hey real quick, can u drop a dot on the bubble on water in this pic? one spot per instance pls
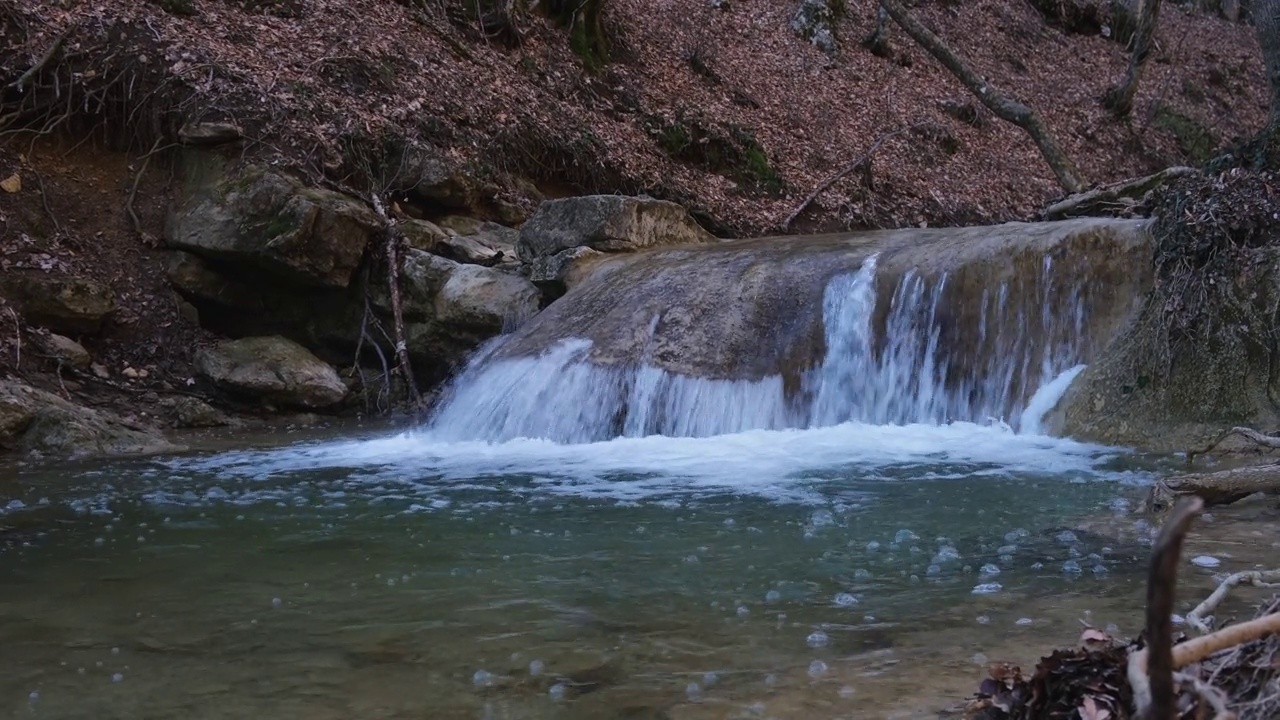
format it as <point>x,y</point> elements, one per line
<point>756,708</point>
<point>772,596</point>
<point>1013,536</point>
<point>710,678</point>
<point>693,691</point>
<point>1099,569</point>
<point>1006,559</point>
<point>1205,561</point>
<point>932,570</point>
<point>967,569</point>
<point>1024,621</point>
<point>946,554</point>
<point>861,574</point>
<point>915,579</point>
<point>1113,629</point>
<point>817,669</point>
<point>1007,549</point>
<point>115,651</point>
<point>770,680</point>
<point>558,691</point>
<point>873,546</point>
<point>277,603</point>
<point>1037,566</point>
<point>987,588</point>
<point>868,619</point>
<point>743,611</point>
<point>482,678</point>
<point>904,535</point>
<point>1066,537</point>
<point>893,546</point>
<point>691,559</point>
<point>915,550</point>
<point>989,570</point>
<point>1071,567</point>
<point>118,677</point>
<point>98,664</point>
<point>34,696</point>
<point>80,671</point>
<point>1074,552</point>
<point>822,518</point>
<point>392,581</point>
<point>847,692</point>
<point>818,639</point>
<point>845,599</point>
<point>979,659</point>
<point>1094,557</point>
<point>729,522</point>
<point>536,667</point>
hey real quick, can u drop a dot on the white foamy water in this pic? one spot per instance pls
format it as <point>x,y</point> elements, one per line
<point>929,362</point>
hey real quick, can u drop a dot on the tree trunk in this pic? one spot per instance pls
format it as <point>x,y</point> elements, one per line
<point>1120,99</point>
<point>878,41</point>
<point>1005,108</point>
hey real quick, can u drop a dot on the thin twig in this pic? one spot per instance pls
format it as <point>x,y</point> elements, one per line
<point>133,192</point>
<point>826,185</point>
<point>1199,617</point>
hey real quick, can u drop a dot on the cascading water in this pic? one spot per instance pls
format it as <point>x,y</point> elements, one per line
<point>914,354</point>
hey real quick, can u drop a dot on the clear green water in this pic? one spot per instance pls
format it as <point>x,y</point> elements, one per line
<point>399,577</point>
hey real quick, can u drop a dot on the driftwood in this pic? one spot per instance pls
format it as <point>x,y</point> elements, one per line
<point>1200,619</point>
<point>1004,107</point>
<point>1217,488</point>
<point>1088,202</point>
<point>863,161</point>
<point>1249,434</point>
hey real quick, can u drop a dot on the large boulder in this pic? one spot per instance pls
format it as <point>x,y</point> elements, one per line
<point>272,369</point>
<point>72,306</point>
<point>267,220</point>
<point>609,223</point>
<point>481,299</point>
<point>35,420</point>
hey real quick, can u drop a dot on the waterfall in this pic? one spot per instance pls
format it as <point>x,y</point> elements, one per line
<point>897,351</point>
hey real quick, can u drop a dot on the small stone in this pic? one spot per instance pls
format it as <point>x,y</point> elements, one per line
<point>1205,561</point>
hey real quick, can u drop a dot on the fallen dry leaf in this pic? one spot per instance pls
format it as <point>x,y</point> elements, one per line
<point>1089,710</point>
<point>11,184</point>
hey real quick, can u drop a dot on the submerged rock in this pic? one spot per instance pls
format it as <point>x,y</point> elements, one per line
<point>190,412</point>
<point>35,420</point>
<point>271,221</point>
<point>609,223</point>
<point>273,369</point>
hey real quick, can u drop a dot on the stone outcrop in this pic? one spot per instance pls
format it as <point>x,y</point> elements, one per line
<point>63,350</point>
<point>267,220</point>
<point>33,420</point>
<point>608,223</point>
<point>815,21</point>
<point>71,306</point>
<point>273,370</point>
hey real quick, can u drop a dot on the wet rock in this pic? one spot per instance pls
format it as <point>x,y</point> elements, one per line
<point>65,305</point>
<point>609,223</point>
<point>273,369</point>
<point>556,274</point>
<point>483,299</point>
<point>190,412</point>
<point>34,420</point>
<point>267,220</point>
<point>64,350</point>
<point>463,239</point>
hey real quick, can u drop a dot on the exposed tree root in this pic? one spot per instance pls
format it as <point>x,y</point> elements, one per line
<point>1092,202</point>
<point>1217,488</point>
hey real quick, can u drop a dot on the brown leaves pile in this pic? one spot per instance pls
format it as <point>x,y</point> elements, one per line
<point>1087,682</point>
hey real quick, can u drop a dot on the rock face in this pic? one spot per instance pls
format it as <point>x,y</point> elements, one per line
<point>267,220</point>
<point>815,21</point>
<point>65,305</point>
<point>609,223</point>
<point>64,350</point>
<point>273,369</point>
<point>34,420</point>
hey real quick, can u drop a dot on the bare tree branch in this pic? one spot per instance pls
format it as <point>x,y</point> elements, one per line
<point>1120,98</point>
<point>1004,107</point>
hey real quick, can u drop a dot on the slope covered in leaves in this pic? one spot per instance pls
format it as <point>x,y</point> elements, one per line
<point>726,110</point>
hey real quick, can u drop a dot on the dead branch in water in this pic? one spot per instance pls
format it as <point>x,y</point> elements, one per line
<point>1222,487</point>
<point>393,287</point>
<point>1200,619</point>
<point>865,159</point>
<point>1151,669</point>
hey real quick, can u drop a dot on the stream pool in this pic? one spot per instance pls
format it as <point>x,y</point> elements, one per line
<point>851,571</point>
